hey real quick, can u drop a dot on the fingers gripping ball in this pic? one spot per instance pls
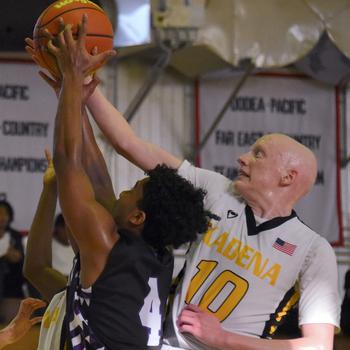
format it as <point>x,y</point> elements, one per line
<point>99,29</point>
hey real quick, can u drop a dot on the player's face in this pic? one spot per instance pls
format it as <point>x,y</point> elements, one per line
<point>128,201</point>
<point>260,170</point>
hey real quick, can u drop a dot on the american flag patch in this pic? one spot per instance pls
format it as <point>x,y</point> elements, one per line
<point>284,246</point>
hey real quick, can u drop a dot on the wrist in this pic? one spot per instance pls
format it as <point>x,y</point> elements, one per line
<point>5,336</point>
<point>225,341</point>
<point>73,76</point>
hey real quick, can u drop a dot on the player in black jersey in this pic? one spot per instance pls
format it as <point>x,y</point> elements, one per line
<point>121,277</point>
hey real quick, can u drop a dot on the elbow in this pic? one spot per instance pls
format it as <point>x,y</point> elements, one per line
<point>121,146</point>
<point>33,267</point>
<point>33,272</point>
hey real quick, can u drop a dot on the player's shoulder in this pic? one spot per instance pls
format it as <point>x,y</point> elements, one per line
<point>214,184</point>
<point>302,228</point>
<point>189,171</point>
<point>319,240</point>
<point>318,245</point>
<point>321,246</point>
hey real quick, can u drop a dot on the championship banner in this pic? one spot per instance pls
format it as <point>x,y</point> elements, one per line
<point>27,112</point>
<point>297,106</point>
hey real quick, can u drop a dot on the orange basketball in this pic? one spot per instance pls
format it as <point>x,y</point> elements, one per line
<point>99,28</point>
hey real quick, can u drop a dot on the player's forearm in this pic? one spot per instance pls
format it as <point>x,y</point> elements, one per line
<point>38,260</point>
<point>95,166</point>
<point>68,125</point>
<point>38,256</point>
<point>232,341</point>
<point>112,123</point>
<point>141,153</point>
<point>121,135</point>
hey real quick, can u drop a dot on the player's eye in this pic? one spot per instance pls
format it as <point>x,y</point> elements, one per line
<point>258,153</point>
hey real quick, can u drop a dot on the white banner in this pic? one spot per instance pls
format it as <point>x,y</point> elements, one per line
<point>27,112</point>
<point>299,107</point>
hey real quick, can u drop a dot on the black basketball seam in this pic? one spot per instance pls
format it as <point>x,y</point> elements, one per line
<point>74,9</point>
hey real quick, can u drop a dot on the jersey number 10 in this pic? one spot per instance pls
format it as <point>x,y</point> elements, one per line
<point>239,287</point>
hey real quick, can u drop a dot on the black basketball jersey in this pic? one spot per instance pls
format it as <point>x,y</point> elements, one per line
<point>125,308</point>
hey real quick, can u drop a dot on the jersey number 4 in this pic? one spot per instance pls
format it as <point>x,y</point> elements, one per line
<point>150,313</point>
<point>234,287</point>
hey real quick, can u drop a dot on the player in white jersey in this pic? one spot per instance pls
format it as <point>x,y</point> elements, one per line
<point>238,279</point>
<point>51,325</point>
<point>244,271</point>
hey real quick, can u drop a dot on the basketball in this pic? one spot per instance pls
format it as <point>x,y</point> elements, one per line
<point>99,29</point>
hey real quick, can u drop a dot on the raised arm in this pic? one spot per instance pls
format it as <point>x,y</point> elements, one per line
<point>96,168</point>
<point>119,133</point>
<point>91,224</point>
<point>38,259</point>
<point>93,160</point>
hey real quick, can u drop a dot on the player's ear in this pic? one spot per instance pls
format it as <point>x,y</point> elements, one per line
<point>288,177</point>
<point>137,217</point>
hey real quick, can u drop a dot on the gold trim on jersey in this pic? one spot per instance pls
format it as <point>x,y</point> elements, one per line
<point>290,299</point>
<point>50,317</point>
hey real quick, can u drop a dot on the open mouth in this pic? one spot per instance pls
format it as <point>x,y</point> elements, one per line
<point>241,173</point>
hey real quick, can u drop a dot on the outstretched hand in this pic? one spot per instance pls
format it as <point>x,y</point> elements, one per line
<point>72,56</point>
<point>201,324</point>
<point>90,82</point>
<point>21,324</point>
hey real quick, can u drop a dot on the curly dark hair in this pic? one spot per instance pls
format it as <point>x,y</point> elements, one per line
<point>174,209</point>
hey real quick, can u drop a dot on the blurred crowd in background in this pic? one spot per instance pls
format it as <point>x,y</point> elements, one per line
<point>13,285</point>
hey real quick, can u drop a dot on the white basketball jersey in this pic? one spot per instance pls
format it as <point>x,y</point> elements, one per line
<point>249,272</point>
<point>51,325</point>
